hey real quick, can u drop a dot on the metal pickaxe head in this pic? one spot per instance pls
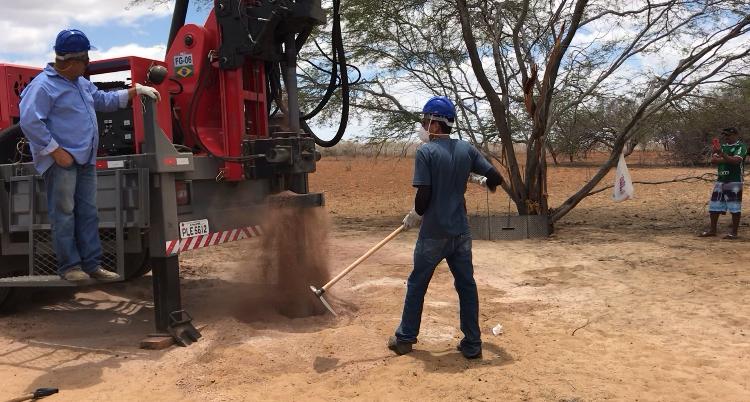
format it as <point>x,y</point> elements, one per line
<point>319,293</point>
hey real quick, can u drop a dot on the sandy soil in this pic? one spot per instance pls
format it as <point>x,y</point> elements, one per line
<point>622,303</point>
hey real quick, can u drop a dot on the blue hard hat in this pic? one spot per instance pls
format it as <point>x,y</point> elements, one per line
<point>72,41</point>
<point>440,106</point>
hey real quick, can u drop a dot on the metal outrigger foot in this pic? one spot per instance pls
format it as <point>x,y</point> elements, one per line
<point>181,328</point>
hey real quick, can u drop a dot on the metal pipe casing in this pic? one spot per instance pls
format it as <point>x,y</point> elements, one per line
<point>291,83</point>
<point>178,20</point>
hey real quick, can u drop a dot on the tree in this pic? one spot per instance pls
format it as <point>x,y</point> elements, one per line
<point>525,74</point>
<point>687,126</point>
<point>582,129</point>
<point>518,70</point>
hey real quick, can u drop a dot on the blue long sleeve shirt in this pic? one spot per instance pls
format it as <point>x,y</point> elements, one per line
<point>57,112</point>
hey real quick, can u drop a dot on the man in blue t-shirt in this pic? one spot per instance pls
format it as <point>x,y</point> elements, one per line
<point>442,169</point>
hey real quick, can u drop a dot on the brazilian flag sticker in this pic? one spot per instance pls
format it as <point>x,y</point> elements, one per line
<point>183,65</point>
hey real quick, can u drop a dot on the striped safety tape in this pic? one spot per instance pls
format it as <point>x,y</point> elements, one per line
<point>212,239</point>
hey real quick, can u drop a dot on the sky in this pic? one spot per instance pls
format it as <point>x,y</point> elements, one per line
<point>30,26</point>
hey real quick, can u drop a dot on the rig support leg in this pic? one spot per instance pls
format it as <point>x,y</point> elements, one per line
<point>166,274</point>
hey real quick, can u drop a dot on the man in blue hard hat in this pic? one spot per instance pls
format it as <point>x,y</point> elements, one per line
<point>442,168</point>
<point>58,117</point>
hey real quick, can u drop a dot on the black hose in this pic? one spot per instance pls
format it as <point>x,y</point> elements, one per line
<point>179,84</point>
<point>340,56</point>
<point>332,85</point>
<point>359,73</point>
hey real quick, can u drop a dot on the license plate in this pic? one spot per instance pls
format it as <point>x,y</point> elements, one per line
<point>193,228</point>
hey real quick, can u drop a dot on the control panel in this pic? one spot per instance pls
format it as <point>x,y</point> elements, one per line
<point>116,129</point>
<point>116,132</point>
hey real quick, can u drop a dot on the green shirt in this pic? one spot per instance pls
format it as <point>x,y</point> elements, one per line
<point>728,172</point>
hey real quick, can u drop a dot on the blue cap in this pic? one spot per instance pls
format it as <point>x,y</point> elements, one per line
<point>72,41</point>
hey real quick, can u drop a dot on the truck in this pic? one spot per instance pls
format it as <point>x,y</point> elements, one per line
<point>197,169</point>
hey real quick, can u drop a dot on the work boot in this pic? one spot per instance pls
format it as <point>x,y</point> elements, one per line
<point>477,355</point>
<point>401,348</point>
<point>75,274</point>
<point>103,275</point>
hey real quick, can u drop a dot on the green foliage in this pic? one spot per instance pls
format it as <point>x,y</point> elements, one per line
<point>411,50</point>
<point>688,128</point>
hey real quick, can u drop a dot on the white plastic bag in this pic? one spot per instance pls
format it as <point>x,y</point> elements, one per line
<point>623,184</point>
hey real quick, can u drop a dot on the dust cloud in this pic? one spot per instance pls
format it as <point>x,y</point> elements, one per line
<point>295,251</point>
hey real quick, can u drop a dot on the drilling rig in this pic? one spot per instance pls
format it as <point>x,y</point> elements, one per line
<point>198,168</point>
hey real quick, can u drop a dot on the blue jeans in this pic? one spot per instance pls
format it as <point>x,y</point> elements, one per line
<point>71,201</point>
<point>427,255</point>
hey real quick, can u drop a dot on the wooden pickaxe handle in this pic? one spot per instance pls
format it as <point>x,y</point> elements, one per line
<point>364,257</point>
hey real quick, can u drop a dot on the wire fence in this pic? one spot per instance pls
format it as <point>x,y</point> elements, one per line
<point>45,261</point>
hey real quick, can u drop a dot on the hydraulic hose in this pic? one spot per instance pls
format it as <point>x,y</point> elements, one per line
<point>340,57</point>
<point>332,85</point>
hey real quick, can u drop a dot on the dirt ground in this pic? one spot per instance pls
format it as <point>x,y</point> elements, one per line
<point>623,302</point>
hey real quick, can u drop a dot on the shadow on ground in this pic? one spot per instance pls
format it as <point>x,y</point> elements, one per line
<point>451,360</point>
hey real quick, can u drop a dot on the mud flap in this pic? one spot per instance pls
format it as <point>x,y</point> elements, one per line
<point>181,328</point>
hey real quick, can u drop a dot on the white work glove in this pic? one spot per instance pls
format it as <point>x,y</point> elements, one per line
<point>412,220</point>
<point>480,180</point>
<point>148,91</point>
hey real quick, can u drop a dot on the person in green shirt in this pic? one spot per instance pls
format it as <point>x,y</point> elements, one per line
<point>727,192</point>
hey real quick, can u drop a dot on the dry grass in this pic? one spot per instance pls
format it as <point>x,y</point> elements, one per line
<point>379,190</point>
